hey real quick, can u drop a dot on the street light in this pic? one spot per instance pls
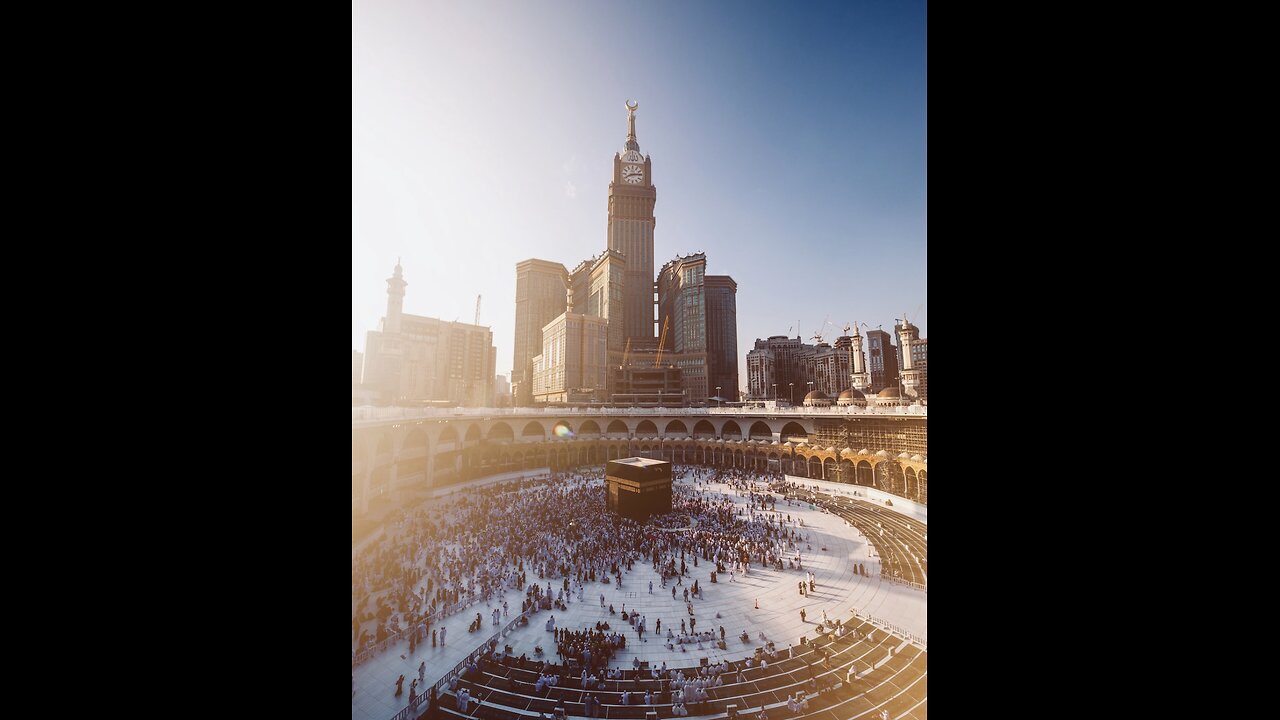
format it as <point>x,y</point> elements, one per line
<point>791,394</point>
<point>719,400</point>
<point>775,393</point>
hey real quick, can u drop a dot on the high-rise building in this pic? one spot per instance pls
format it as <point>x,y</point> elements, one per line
<point>574,363</point>
<point>412,358</point>
<point>784,360</point>
<point>501,391</point>
<point>632,197</point>
<point>882,360</point>
<point>722,334</point>
<point>682,322</point>
<point>761,380</point>
<point>699,312</point>
<point>920,353</point>
<point>540,298</point>
<point>831,366</point>
<point>606,296</point>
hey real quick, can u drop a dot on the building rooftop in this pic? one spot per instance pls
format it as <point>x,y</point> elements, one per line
<point>640,461</point>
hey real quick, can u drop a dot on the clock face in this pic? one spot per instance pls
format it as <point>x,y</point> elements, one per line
<point>632,174</point>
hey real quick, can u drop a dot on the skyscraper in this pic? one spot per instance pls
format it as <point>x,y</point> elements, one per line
<point>882,359</point>
<point>722,334</point>
<point>573,365</point>
<point>540,297</point>
<point>701,317</point>
<point>632,196</point>
<point>682,311</point>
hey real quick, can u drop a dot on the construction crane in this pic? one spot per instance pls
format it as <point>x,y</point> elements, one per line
<point>817,334</point>
<point>662,340</point>
<point>477,309</point>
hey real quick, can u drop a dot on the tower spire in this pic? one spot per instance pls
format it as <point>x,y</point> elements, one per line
<point>631,126</point>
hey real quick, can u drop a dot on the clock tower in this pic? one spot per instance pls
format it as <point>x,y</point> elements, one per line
<point>631,200</point>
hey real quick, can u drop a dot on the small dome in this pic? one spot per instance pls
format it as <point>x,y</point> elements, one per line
<point>889,392</point>
<point>831,450</point>
<point>864,451</point>
<point>847,451</point>
<point>882,454</point>
<point>815,395</point>
<point>904,456</point>
<point>852,394</point>
<point>917,458</point>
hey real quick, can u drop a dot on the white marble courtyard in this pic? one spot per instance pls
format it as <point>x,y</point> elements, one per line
<point>839,592</point>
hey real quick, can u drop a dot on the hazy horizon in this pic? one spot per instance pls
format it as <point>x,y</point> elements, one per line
<point>789,143</point>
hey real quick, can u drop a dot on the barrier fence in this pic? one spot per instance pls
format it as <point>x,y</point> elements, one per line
<point>443,683</point>
<point>896,630</point>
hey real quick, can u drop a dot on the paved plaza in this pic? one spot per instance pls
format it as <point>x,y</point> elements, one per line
<point>835,549</point>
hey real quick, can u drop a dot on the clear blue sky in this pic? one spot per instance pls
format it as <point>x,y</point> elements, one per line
<point>789,142</point>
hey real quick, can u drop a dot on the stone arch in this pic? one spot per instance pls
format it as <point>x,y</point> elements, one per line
<point>646,427</point>
<point>794,432</point>
<point>865,474</point>
<point>617,426</point>
<point>829,469</point>
<point>412,467</point>
<point>704,429</point>
<point>924,487</point>
<point>473,433</point>
<point>760,430</point>
<point>675,427</point>
<point>533,429</point>
<point>589,427</point>
<point>847,473</point>
<point>912,484</point>
<point>448,435</point>
<point>380,482</point>
<point>731,429</point>
<point>501,431</point>
<point>568,429</point>
<point>815,467</point>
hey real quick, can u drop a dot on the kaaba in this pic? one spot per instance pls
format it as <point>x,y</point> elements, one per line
<point>638,487</point>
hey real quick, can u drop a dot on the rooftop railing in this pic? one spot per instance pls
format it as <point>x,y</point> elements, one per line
<point>371,412</point>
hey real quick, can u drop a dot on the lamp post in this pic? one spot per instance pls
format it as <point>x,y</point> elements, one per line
<point>719,400</point>
<point>791,394</point>
<point>810,387</point>
<point>775,393</point>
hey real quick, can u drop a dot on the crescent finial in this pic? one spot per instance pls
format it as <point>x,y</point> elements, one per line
<point>633,106</point>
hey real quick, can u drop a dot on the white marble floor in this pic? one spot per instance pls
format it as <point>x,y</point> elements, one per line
<point>839,590</point>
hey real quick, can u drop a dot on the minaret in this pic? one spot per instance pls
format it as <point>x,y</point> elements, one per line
<point>910,376</point>
<point>395,300</point>
<point>859,378</point>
